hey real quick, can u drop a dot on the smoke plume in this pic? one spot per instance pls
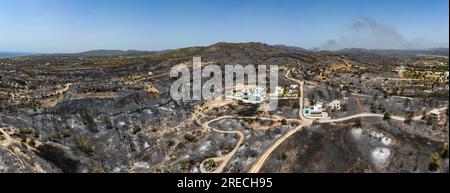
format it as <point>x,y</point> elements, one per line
<point>369,33</point>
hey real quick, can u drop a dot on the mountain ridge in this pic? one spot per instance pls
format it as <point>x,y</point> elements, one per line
<point>242,45</point>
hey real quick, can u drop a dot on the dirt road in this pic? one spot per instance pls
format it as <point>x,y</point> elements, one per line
<point>395,117</point>
<point>223,160</point>
<point>262,159</point>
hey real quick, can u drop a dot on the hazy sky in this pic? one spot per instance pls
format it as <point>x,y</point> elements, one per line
<point>80,25</point>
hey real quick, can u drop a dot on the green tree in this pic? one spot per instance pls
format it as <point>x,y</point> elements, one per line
<point>407,102</point>
<point>444,152</point>
<point>435,162</point>
<point>408,117</point>
<point>372,107</point>
<point>97,170</point>
<point>358,122</point>
<point>386,116</point>
<point>84,144</point>
<point>283,156</point>
<point>88,120</point>
<point>185,165</point>
<point>108,123</point>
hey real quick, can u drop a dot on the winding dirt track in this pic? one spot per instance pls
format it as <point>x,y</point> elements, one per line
<point>398,118</point>
<point>226,158</point>
<point>12,145</point>
<point>8,141</point>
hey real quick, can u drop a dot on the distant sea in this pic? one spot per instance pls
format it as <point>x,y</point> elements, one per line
<point>13,54</point>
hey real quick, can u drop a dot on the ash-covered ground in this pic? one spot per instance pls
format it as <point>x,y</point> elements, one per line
<point>92,112</point>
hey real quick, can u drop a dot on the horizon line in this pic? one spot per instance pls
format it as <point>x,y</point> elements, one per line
<point>160,50</point>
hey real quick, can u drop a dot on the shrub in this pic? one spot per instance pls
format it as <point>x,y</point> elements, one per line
<point>435,162</point>
<point>386,116</point>
<point>54,136</point>
<point>184,165</point>
<point>32,143</point>
<point>84,144</point>
<point>444,153</point>
<point>358,122</point>
<point>58,135</point>
<point>408,117</point>
<point>209,164</point>
<point>65,133</point>
<point>108,123</point>
<point>26,131</point>
<point>170,143</point>
<point>283,156</point>
<point>88,120</point>
<point>189,137</point>
<point>97,170</point>
<point>136,129</point>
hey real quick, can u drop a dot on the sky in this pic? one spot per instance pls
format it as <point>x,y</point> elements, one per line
<point>56,26</point>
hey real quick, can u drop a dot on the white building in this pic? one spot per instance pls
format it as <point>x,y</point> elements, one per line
<point>436,115</point>
<point>335,105</point>
<point>293,87</point>
<point>250,95</point>
<point>255,95</point>
<point>314,112</point>
<point>278,91</point>
<point>401,71</point>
